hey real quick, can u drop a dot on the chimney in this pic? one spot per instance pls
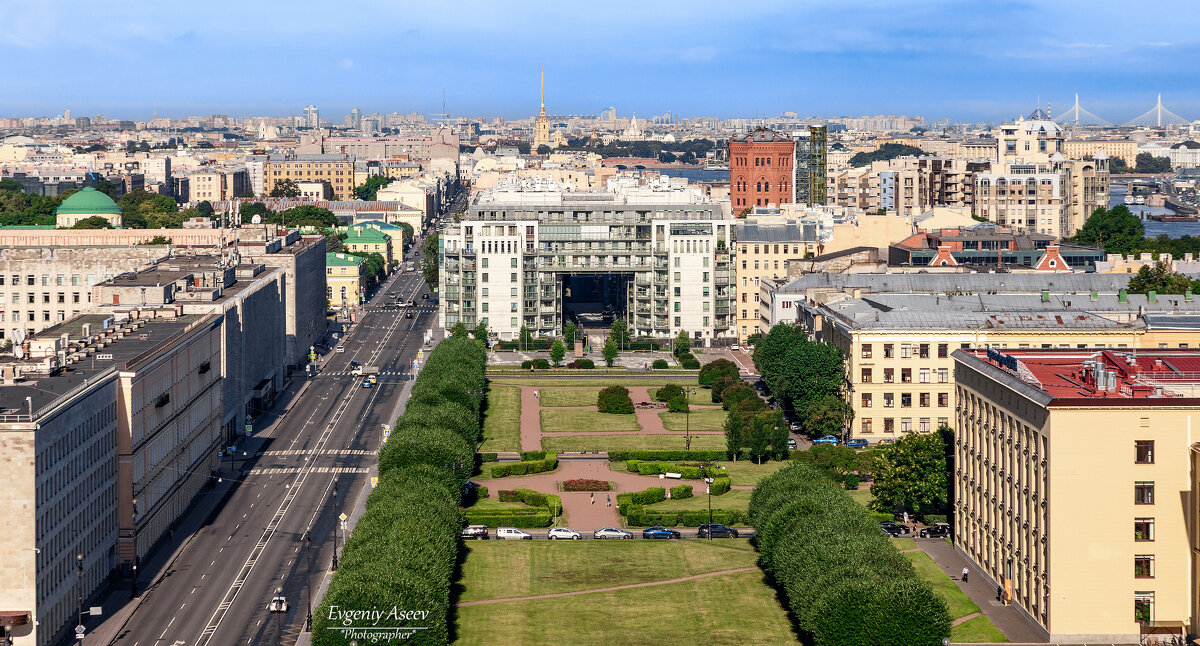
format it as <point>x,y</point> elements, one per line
<point>87,330</point>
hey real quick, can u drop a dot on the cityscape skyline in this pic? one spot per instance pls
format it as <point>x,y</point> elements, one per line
<point>870,61</point>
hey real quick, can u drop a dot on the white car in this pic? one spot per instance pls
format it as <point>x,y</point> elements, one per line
<point>277,604</point>
<point>611,532</point>
<point>512,534</point>
<point>563,533</point>
<point>735,347</point>
<point>340,349</point>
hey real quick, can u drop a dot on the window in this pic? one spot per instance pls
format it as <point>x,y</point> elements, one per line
<point>866,350</point>
<point>906,375</point>
<point>512,293</point>
<point>512,278</point>
<point>906,400</point>
<point>1143,607</point>
<point>677,323</point>
<point>943,375</point>
<point>1143,529</point>
<point>943,350</point>
<point>512,263</point>
<point>1143,566</point>
<point>924,375</point>
<point>1143,451</point>
<point>485,307</point>
<point>924,400</point>
<point>887,351</point>
<point>676,306</point>
<point>676,276</point>
<point>866,400</point>
<point>889,425</point>
<point>943,421</point>
<point>943,400</point>
<point>866,427</point>
<point>485,277</point>
<point>923,425</point>
<point>485,292</point>
<point>906,425</point>
<point>889,375</point>
<point>1143,493</point>
<point>889,400</point>
<point>905,351</point>
<point>866,375</point>
<point>924,350</point>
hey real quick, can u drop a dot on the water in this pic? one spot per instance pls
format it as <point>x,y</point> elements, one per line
<point>1154,229</point>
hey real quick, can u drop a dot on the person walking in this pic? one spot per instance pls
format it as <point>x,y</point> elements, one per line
<point>609,500</point>
<point>593,498</point>
<point>965,572</point>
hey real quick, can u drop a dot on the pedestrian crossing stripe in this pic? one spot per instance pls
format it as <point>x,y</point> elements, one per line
<point>321,452</point>
<point>270,471</point>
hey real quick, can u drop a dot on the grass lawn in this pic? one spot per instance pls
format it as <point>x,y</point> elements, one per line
<point>629,442</point>
<point>670,613</point>
<point>702,419</point>
<point>734,499</point>
<point>493,502</point>
<point>502,421</point>
<point>745,472</point>
<point>568,421</point>
<point>979,630</point>
<point>903,543</point>
<point>958,602</point>
<point>860,496</point>
<point>568,396</point>
<point>568,380</point>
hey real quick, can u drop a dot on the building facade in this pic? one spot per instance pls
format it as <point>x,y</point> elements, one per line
<point>760,169</point>
<point>337,169</point>
<point>763,250</point>
<point>345,283</point>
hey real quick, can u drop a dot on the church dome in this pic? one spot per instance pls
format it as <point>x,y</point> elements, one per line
<point>88,201</point>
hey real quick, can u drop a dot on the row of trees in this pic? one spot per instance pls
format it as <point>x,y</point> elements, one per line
<point>884,153</point>
<point>404,551</point>
<point>805,377</point>
<point>1144,163</point>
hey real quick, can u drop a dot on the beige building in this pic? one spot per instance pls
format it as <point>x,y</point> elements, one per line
<point>337,169</point>
<point>764,246</point>
<point>1123,149</point>
<point>345,283</point>
<point>212,184</point>
<point>1075,487</point>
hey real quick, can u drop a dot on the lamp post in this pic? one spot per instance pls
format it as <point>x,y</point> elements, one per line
<point>335,528</point>
<point>133,588</point>
<point>308,579</point>
<point>79,574</point>
<point>708,481</point>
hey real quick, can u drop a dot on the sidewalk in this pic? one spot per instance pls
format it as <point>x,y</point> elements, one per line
<point>1015,625</point>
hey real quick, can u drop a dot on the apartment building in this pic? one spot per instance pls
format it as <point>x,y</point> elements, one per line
<point>1075,490</point>
<point>337,169</point>
<point>1123,149</point>
<point>987,245</point>
<point>345,282</point>
<point>214,184</point>
<point>761,170</point>
<point>370,240</point>
<point>764,246</point>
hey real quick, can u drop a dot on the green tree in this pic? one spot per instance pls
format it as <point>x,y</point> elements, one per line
<point>525,338</point>
<point>205,209</point>
<point>885,152</point>
<point>107,187</point>
<point>619,332</point>
<point>305,215</point>
<point>94,222</point>
<point>481,331</point>
<point>369,189</point>
<point>459,330</point>
<point>156,240</point>
<point>1116,230</point>
<point>569,332</point>
<point>798,372</point>
<point>285,188</point>
<point>251,209</point>
<point>1161,280</point>
<point>11,185</point>
<point>557,352</point>
<point>407,231</point>
<point>683,343</point>
<point>829,415</point>
<point>714,370</point>
<point>912,473</point>
<point>837,461</point>
<point>429,266</point>
<point>543,149</point>
<point>1148,163</point>
<point>610,351</point>
<point>246,193</point>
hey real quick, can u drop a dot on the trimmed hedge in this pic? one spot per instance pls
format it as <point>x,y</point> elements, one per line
<point>488,457</point>
<point>531,498</point>
<point>680,492</point>
<point>668,392</point>
<point>638,516</point>
<point>668,455</point>
<point>687,471</point>
<point>530,456</point>
<point>495,518</point>
<point>660,364</point>
<point>582,364</point>
<point>525,468</point>
<point>615,399</point>
<point>855,591</point>
<point>721,486</point>
<point>481,492</point>
<point>647,497</point>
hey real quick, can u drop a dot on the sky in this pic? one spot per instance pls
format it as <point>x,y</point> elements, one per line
<point>967,60</point>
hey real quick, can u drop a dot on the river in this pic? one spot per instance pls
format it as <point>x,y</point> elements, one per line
<point>1153,229</point>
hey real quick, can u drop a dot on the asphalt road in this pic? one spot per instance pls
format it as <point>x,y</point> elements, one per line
<point>278,521</point>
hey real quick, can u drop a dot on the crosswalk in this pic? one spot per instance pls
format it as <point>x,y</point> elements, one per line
<point>320,452</point>
<point>271,471</point>
<point>400,374</point>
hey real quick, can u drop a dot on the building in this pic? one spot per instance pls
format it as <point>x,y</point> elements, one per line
<point>987,245</point>
<point>1123,149</point>
<point>312,117</point>
<point>214,184</point>
<point>811,164</point>
<point>760,169</point>
<point>530,252</point>
<point>337,169</point>
<point>345,282</point>
<point>370,240</point>
<point>763,249</point>
<point>1042,438</point>
<point>541,127</point>
<point>87,203</point>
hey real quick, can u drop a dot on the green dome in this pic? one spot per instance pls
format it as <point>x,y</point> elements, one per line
<point>88,201</point>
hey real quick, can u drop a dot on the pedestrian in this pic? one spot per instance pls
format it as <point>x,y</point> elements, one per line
<point>593,498</point>
<point>1000,593</point>
<point>964,574</point>
<point>609,498</point>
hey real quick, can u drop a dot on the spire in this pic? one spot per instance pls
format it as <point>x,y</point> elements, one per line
<point>543,92</point>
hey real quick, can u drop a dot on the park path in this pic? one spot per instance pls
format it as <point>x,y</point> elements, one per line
<point>629,586</point>
<point>583,512</point>
<point>531,420</point>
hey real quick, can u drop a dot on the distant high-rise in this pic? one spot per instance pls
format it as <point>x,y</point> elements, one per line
<point>811,167</point>
<point>67,114</point>
<point>356,119</point>
<point>541,135</point>
<point>312,117</point>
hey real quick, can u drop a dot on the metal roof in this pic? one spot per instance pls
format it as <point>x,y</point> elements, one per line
<point>937,283</point>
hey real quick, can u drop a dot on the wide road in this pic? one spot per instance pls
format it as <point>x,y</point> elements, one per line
<point>277,524</point>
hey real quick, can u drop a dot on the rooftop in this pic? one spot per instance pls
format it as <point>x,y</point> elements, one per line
<point>88,201</point>
<point>782,232</point>
<point>333,259</point>
<point>979,283</point>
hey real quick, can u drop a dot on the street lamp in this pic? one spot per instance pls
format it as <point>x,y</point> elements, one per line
<point>335,527</point>
<point>79,574</point>
<point>308,579</point>
<point>708,481</point>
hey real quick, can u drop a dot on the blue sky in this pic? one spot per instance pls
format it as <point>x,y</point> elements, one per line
<point>965,60</point>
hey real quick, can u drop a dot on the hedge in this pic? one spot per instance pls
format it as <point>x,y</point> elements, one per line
<point>638,516</point>
<point>855,591</point>
<point>720,486</point>
<point>524,468</point>
<point>668,455</point>
<point>584,364</point>
<point>534,344</point>
<point>488,457</point>
<point>647,497</point>
<point>686,471</point>
<point>660,364</point>
<point>615,399</point>
<point>668,392</point>
<point>530,456</point>
<point>495,518</point>
<point>680,492</point>
<point>422,470</point>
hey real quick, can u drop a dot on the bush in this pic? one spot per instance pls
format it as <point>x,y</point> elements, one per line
<point>615,399</point>
<point>668,392</point>
<point>719,385</point>
<point>933,519</point>
<point>856,591</point>
<point>647,497</point>
<point>714,370</point>
<point>526,364</point>
<point>736,394</point>
<point>586,484</point>
<point>584,364</point>
<point>487,457</point>
<point>720,486</point>
<point>530,456</point>
<point>660,364</point>
<point>520,518</point>
<point>850,482</point>
<point>678,404</point>
<point>541,364</point>
<point>525,468</point>
<point>639,516</point>
<point>667,455</point>
<point>481,492</point>
<point>680,492</point>
<point>687,471</point>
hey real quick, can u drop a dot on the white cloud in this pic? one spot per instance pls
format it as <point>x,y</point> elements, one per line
<point>1086,45</point>
<point>346,63</point>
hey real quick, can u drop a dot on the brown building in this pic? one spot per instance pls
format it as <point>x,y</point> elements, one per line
<point>760,169</point>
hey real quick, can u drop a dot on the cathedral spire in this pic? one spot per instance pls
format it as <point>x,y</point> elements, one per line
<point>543,92</point>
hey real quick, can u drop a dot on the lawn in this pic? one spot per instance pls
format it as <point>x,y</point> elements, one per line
<point>860,496</point>
<point>578,421</point>
<point>629,442</point>
<point>746,472</point>
<point>734,499</point>
<point>669,613</point>
<point>979,630</point>
<point>568,396</point>
<point>502,421</point>
<point>958,602</point>
<point>702,419</point>
<point>614,380</point>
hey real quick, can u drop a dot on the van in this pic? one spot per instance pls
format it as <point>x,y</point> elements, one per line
<point>512,534</point>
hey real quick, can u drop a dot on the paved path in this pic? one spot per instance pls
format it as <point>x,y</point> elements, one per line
<point>582,511</point>
<point>1015,626</point>
<point>531,420</point>
<point>610,589</point>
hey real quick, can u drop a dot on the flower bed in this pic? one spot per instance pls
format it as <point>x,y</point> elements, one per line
<point>586,484</point>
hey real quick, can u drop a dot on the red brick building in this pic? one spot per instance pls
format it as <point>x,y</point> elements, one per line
<point>760,169</point>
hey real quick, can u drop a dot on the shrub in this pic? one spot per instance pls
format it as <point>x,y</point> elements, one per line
<point>678,404</point>
<point>523,468</point>
<point>526,364</point>
<point>687,471</point>
<point>487,457</point>
<point>584,364</point>
<point>481,492</point>
<point>720,486</point>
<point>639,516</point>
<point>615,399</point>
<point>541,364</point>
<point>850,481</point>
<point>721,368</point>
<point>719,385</point>
<point>668,392</point>
<point>586,484</point>
<point>932,519</point>
<point>647,497</point>
<point>660,364</point>
<point>530,456</point>
<point>679,492</point>
<point>736,394</point>
<point>509,518</point>
<point>667,455</point>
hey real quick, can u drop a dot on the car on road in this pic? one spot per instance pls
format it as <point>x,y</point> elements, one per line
<point>856,444</point>
<point>715,530</point>
<point>887,440</point>
<point>658,531</point>
<point>277,604</point>
<point>408,315</point>
<point>795,427</point>
<point>340,349</point>
<point>936,530</point>
<point>893,529</point>
<point>735,348</point>
<point>611,532</point>
<point>366,383</point>
<point>411,302</point>
<point>563,533</point>
<point>475,532</point>
<point>828,439</point>
<point>512,534</point>
<point>425,297</point>
<point>792,443</point>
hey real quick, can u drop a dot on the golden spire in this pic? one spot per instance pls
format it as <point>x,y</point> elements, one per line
<point>543,112</point>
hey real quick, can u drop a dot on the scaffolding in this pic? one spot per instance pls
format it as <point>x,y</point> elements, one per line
<point>811,167</point>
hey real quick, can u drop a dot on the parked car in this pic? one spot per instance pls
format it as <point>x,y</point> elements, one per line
<point>411,303</point>
<point>887,440</point>
<point>795,427</point>
<point>936,530</point>
<point>562,533</point>
<point>340,349</point>
<point>893,529</point>
<point>828,439</point>
<point>512,534</point>
<point>408,315</point>
<point>475,532</point>
<point>658,531</point>
<point>856,444</point>
<point>735,348</point>
<point>611,532</point>
<point>717,530</point>
<point>792,443</point>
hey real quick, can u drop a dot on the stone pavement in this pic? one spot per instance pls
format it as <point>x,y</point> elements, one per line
<point>1015,625</point>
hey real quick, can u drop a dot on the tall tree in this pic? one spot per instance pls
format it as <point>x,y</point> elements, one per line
<point>285,188</point>
<point>459,331</point>
<point>912,473</point>
<point>429,266</point>
<point>569,332</point>
<point>683,343</point>
<point>1162,280</point>
<point>557,352</point>
<point>620,332</point>
<point>369,189</point>
<point>829,415</point>
<point>1116,230</point>
<point>481,331</point>
<point>610,351</point>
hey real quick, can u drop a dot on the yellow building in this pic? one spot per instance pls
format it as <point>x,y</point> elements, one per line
<point>541,135</point>
<point>763,249</point>
<point>365,239</point>
<point>1074,487</point>
<point>338,170</point>
<point>345,284</point>
<point>1123,149</point>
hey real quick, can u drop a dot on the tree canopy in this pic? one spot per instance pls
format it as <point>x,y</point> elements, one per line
<point>368,190</point>
<point>429,266</point>
<point>912,473</point>
<point>884,153</point>
<point>799,372</point>
<point>285,188</point>
<point>144,210</point>
<point>1116,230</point>
<point>305,215</point>
<point>1161,280</point>
<point>94,222</point>
<point>20,208</point>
